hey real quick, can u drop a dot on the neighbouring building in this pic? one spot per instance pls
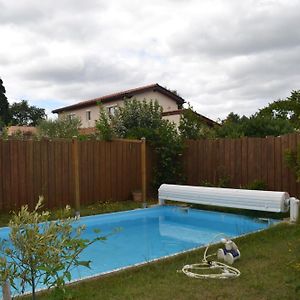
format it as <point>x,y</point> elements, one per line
<point>171,103</point>
<point>23,130</point>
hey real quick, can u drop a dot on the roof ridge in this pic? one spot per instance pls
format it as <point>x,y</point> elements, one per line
<point>121,94</point>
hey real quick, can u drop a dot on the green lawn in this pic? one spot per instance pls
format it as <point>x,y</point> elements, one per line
<point>269,265</point>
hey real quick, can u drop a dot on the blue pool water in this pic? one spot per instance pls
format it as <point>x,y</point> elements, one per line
<point>152,233</point>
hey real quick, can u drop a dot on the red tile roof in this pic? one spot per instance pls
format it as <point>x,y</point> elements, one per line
<point>29,130</point>
<point>206,120</point>
<point>122,95</point>
<point>87,131</point>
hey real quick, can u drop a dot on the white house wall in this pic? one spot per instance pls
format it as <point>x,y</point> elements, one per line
<point>167,104</point>
<point>173,118</point>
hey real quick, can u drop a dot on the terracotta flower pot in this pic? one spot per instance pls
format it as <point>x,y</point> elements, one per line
<point>137,196</point>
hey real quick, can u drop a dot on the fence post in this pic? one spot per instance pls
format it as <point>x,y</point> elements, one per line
<point>76,175</point>
<point>143,171</point>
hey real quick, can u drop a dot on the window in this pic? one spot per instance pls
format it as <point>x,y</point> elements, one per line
<point>112,110</point>
<point>88,115</point>
<point>72,116</point>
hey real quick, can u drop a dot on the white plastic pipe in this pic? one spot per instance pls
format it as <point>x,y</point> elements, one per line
<point>294,209</point>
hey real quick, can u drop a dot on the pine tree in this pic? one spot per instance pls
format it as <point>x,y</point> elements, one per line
<point>4,105</point>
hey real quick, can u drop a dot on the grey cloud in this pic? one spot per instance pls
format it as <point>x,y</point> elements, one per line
<point>82,78</point>
<point>238,34</point>
<point>66,20</point>
<point>90,70</point>
<point>72,28</point>
<point>221,56</point>
<point>32,11</point>
<point>5,60</point>
<point>270,65</point>
<point>264,77</point>
<point>27,54</point>
<point>19,13</point>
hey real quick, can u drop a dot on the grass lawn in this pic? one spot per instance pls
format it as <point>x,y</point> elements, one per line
<point>270,267</point>
<point>97,208</point>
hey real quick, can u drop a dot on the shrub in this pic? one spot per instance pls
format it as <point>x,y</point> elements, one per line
<point>63,127</point>
<point>137,119</point>
<point>223,182</point>
<point>40,250</point>
<point>103,126</point>
<point>256,185</point>
<point>191,127</point>
<point>292,160</point>
<point>168,147</point>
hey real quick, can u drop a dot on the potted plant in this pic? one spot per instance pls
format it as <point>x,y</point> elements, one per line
<point>137,195</point>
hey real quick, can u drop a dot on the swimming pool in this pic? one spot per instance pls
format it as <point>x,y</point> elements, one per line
<point>153,233</point>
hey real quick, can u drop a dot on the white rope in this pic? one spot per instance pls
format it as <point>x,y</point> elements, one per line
<point>224,271</point>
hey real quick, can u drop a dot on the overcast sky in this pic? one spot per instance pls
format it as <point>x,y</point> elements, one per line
<point>220,55</point>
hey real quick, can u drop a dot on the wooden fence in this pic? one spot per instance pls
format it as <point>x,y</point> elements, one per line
<point>242,161</point>
<point>108,171</point>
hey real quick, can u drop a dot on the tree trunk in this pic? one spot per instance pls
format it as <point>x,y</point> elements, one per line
<point>32,285</point>
<point>6,290</point>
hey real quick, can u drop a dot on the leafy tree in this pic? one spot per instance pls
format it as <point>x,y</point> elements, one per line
<point>2,125</point>
<point>168,146</point>
<point>287,109</point>
<point>103,125</point>
<point>42,251</point>
<point>137,119</point>
<point>256,125</point>
<point>23,114</point>
<point>231,127</point>
<point>63,127</point>
<point>4,106</point>
<point>3,133</point>
<point>191,127</point>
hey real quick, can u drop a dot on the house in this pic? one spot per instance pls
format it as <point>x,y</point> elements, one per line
<point>88,111</point>
<point>23,130</point>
